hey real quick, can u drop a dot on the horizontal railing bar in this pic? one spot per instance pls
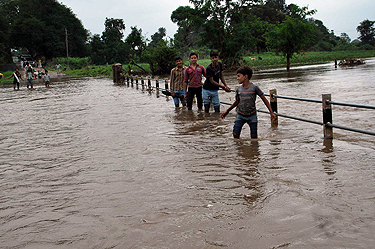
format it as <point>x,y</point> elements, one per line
<point>351,104</point>
<point>291,117</point>
<point>328,102</point>
<point>294,98</point>
<point>225,103</point>
<point>351,129</point>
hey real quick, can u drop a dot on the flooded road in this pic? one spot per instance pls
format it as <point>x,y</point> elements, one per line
<point>90,164</point>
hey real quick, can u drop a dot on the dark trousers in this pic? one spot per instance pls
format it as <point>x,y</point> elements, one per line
<point>190,96</point>
<point>16,83</point>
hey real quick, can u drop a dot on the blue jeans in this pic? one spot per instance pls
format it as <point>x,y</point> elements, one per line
<point>252,121</point>
<point>211,96</point>
<point>177,100</point>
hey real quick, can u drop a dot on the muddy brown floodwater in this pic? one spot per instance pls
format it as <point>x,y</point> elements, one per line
<point>90,164</point>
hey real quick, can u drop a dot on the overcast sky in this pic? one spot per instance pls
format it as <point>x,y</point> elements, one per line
<point>341,16</point>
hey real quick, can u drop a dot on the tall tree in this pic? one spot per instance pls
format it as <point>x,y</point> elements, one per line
<point>265,15</point>
<point>276,4</point>
<point>293,34</point>
<point>344,38</point>
<point>97,53</point>
<point>158,36</point>
<point>223,30</point>
<point>114,30</point>
<point>41,27</point>
<point>114,49</point>
<point>160,57</point>
<point>189,22</point>
<point>5,54</point>
<point>367,32</point>
<point>136,42</point>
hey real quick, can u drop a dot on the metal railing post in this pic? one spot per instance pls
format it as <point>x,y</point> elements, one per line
<point>273,103</point>
<point>166,84</point>
<point>327,116</point>
<point>149,83</point>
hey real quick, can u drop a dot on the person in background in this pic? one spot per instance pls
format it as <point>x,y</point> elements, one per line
<point>17,76</point>
<point>58,66</point>
<point>245,102</point>
<point>27,66</point>
<point>210,92</point>
<point>177,82</point>
<point>46,78</point>
<point>30,77</point>
<point>193,79</point>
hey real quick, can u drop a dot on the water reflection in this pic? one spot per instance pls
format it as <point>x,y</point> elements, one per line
<point>248,150</point>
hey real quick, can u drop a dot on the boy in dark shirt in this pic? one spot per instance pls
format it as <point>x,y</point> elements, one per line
<point>245,102</point>
<point>210,93</point>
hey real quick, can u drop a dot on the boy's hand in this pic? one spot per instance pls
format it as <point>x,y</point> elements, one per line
<point>224,114</point>
<point>226,88</point>
<point>273,116</point>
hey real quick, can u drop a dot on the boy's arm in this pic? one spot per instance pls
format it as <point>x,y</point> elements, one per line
<point>265,101</point>
<point>229,109</point>
<point>171,84</point>
<point>216,83</point>
<point>225,87</point>
<point>185,82</point>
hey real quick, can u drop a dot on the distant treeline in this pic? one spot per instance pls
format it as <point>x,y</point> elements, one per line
<point>44,29</point>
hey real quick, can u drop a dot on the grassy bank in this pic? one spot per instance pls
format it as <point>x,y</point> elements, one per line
<point>270,60</point>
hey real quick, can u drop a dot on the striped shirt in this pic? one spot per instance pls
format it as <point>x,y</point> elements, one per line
<point>247,97</point>
<point>177,79</point>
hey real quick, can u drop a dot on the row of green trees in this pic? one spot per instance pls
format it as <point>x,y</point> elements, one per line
<point>40,27</point>
<point>234,28</point>
<point>237,27</point>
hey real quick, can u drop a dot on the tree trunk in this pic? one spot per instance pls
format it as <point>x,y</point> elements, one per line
<point>288,55</point>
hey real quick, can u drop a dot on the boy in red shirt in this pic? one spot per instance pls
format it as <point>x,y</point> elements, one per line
<point>193,79</point>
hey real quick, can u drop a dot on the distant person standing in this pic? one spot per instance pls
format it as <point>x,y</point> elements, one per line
<point>193,80</point>
<point>30,77</point>
<point>27,66</point>
<point>17,76</point>
<point>177,82</point>
<point>46,78</point>
<point>58,66</point>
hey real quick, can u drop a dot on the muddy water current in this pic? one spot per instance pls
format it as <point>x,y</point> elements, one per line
<point>90,164</point>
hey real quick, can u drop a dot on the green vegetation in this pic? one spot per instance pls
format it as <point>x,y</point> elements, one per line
<point>41,27</point>
<point>270,60</point>
<point>238,30</point>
